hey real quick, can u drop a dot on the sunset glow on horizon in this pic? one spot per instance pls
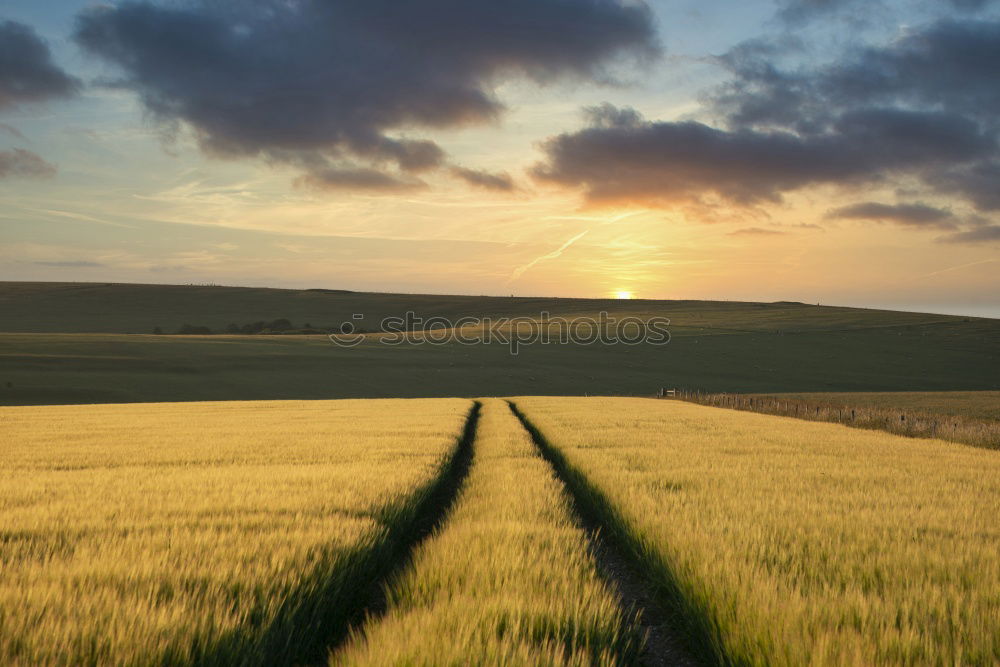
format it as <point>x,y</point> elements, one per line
<point>485,164</point>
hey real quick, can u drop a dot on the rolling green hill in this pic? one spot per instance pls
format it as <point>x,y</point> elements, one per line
<point>139,309</point>
<point>77,343</point>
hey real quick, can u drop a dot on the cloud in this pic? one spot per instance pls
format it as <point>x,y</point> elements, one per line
<point>622,158</point>
<point>358,178</point>
<point>75,264</point>
<point>980,234</point>
<point>12,131</point>
<point>27,73</point>
<point>484,179</point>
<point>798,12</point>
<point>970,5</point>
<point>922,108</point>
<point>19,162</point>
<point>323,84</point>
<point>802,11</point>
<point>913,215</point>
<point>976,182</point>
<point>756,231</point>
<point>946,66</point>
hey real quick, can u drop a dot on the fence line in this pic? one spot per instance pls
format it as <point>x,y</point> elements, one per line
<point>966,430</point>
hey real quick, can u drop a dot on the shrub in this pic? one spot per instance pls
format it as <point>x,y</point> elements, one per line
<point>280,324</point>
<point>192,330</point>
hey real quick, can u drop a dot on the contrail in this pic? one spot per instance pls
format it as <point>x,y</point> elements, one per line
<point>77,216</point>
<point>960,266</point>
<point>519,271</point>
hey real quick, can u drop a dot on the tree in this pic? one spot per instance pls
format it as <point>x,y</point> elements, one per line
<point>254,328</point>
<point>280,324</point>
<point>192,330</point>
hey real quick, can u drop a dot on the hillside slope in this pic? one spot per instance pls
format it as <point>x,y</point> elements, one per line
<point>129,308</point>
<point>716,346</point>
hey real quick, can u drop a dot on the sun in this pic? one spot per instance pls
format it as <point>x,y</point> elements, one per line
<point>624,294</point>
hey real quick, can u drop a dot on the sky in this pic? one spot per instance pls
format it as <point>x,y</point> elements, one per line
<point>826,151</point>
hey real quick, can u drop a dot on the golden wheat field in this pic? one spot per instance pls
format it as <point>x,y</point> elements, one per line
<point>450,531</point>
<point>200,532</point>
<point>509,579</point>
<point>791,542</point>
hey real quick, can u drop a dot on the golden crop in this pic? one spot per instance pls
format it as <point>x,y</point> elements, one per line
<point>167,533</point>
<point>798,543</point>
<point>235,533</point>
<point>508,579</point>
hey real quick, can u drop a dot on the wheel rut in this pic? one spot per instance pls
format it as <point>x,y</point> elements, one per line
<point>432,514</point>
<point>665,643</point>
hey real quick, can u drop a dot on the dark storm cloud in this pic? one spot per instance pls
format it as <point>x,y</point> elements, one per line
<point>19,162</point>
<point>970,5</point>
<point>321,82</point>
<point>484,179</point>
<point>27,73</point>
<point>915,215</point>
<point>621,157</point>
<point>798,12</point>
<point>978,183</point>
<point>801,11</point>
<point>924,108</point>
<point>948,66</point>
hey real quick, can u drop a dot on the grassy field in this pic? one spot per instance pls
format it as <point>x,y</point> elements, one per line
<point>716,346</point>
<point>788,542</point>
<point>974,404</point>
<point>138,309</point>
<point>217,533</point>
<point>968,417</point>
<point>88,368</point>
<point>508,581</point>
